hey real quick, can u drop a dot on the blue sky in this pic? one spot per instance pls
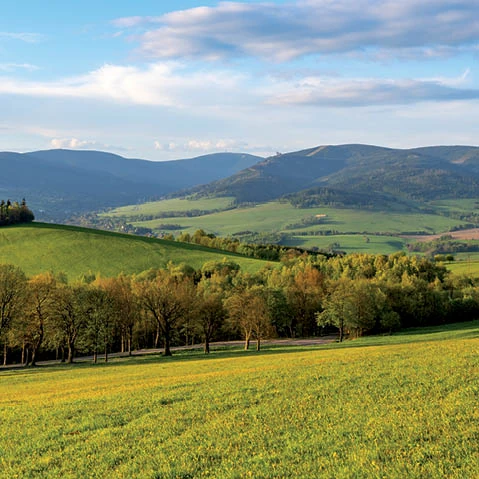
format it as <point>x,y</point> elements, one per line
<point>176,79</point>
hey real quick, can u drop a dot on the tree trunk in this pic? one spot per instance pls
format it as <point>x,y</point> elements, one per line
<point>36,345</point>
<point>167,343</point>
<point>130,336</point>
<point>95,356</point>
<point>5,353</point>
<point>34,356</point>
<point>246,343</point>
<point>207,346</point>
<point>26,356</point>
<point>258,344</point>
<point>22,360</point>
<point>71,352</point>
<point>157,336</point>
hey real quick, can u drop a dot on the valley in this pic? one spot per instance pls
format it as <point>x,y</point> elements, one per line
<point>239,239</point>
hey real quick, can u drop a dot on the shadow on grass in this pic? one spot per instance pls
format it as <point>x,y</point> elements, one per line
<point>462,331</point>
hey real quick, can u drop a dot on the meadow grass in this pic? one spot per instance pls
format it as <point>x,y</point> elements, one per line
<point>38,247</point>
<point>404,408</point>
<point>174,204</point>
<point>464,205</point>
<point>372,244</point>
<point>276,216</point>
<point>463,265</point>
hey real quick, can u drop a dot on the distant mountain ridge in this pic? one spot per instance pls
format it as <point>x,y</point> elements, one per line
<point>356,174</point>
<point>59,183</point>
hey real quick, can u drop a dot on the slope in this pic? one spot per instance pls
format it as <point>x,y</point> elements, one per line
<point>40,247</point>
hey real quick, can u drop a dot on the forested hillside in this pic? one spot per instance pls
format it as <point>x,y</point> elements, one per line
<point>356,174</point>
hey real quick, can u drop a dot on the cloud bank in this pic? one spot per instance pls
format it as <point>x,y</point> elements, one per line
<point>169,85</point>
<point>282,32</point>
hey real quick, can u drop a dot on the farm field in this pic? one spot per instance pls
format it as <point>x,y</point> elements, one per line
<point>279,216</point>
<point>75,251</point>
<point>395,407</point>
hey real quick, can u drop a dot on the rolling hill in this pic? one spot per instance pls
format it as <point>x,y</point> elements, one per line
<point>40,247</point>
<point>356,175</point>
<point>61,183</point>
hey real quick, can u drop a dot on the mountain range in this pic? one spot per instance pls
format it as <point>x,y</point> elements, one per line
<point>347,175</point>
<point>61,183</point>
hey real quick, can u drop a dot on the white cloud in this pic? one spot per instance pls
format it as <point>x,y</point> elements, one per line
<point>26,37</point>
<point>194,147</point>
<point>201,145</point>
<point>160,84</point>
<point>341,92</point>
<point>289,30</point>
<point>76,144</point>
<point>9,67</point>
<point>225,92</point>
<point>72,143</point>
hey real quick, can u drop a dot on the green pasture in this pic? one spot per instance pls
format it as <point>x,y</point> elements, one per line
<point>405,407</point>
<point>371,244</point>
<point>464,205</point>
<point>38,247</point>
<point>465,264</point>
<point>166,206</point>
<point>276,216</point>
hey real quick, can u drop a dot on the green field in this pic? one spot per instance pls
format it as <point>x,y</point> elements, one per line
<point>276,216</point>
<point>75,251</point>
<point>465,264</point>
<point>347,225</point>
<point>167,206</point>
<point>386,407</point>
<point>465,205</point>
<point>371,244</point>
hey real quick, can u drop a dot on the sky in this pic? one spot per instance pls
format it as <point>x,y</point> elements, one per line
<point>177,79</point>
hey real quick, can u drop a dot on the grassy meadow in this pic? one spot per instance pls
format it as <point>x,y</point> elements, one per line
<point>385,407</point>
<point>276,216</point>
<point>371,244</point>
<point>465,264</point>
<point>384,229</point>
<point>174,204</point>
<point>38,247</point>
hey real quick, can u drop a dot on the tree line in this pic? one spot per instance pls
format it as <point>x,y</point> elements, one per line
<point>15,213</point>
<point>47,317</point>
